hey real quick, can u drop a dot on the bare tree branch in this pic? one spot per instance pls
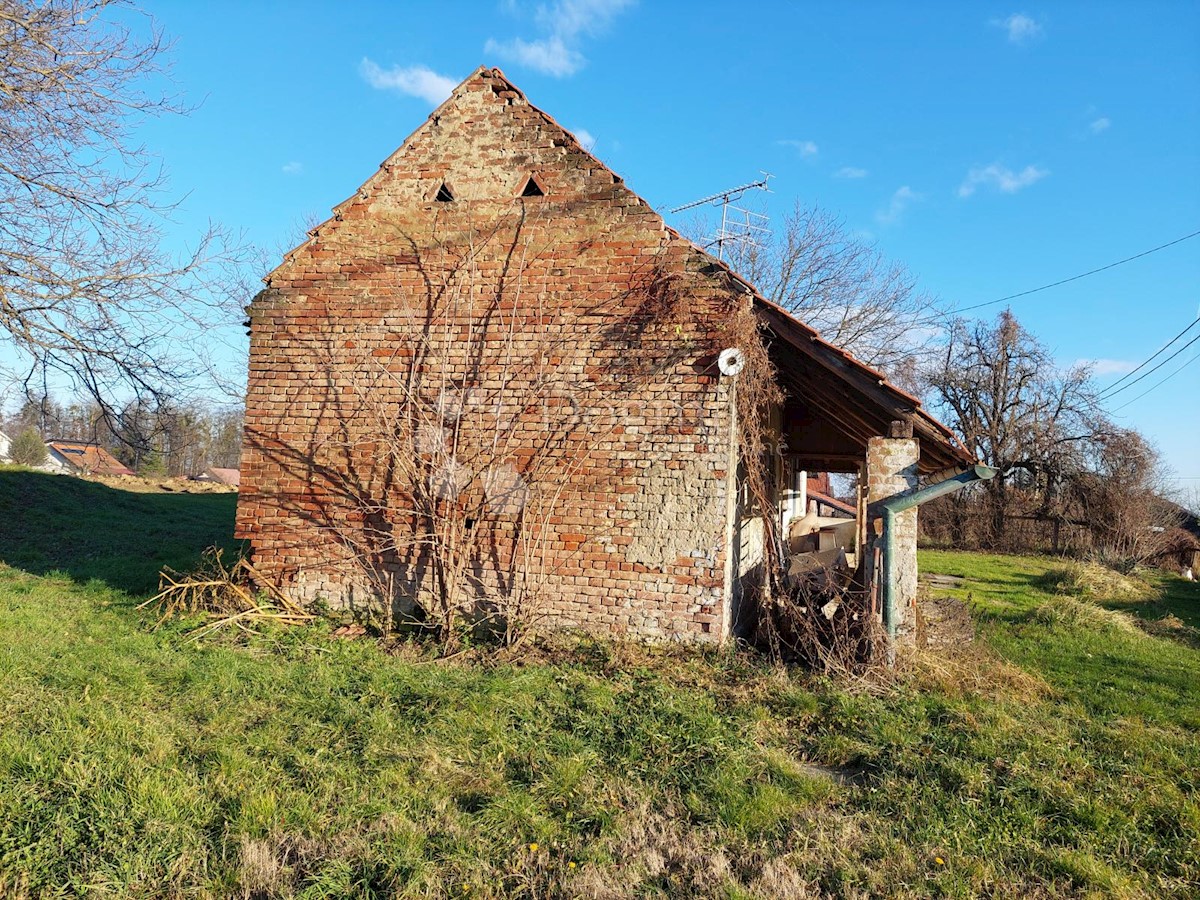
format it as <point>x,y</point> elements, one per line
<point>86,289</point>
<point>842,285</point>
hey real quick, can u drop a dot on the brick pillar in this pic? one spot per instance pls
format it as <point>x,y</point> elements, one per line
<point>892,469</point>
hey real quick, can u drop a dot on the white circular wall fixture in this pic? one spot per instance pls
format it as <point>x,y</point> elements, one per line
<point>731,361</point>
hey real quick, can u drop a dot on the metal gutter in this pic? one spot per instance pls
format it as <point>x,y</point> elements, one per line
<point>946,482</point>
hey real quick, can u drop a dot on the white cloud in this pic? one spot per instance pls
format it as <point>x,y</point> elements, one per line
<point>571,18</point>
<point>565,23</point>
<point>1101,124</point>
<point>901,200</point>
<point>550,56</point>
<point>850,172</point>
<point>806,149</point>
<point>585,138</point>
<point>1021,28</point>
<point>292,168</point>
<point>1108,366</point>
<point>1003,179</point>
<point>415,81</point>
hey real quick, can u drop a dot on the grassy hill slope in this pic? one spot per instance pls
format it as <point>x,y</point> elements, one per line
<point>1057,758</point>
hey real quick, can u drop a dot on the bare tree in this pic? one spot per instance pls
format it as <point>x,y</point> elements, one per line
<point>1122,495</point>
<point>842,285</point>
<point>87,292</point>
<point>999,388</point>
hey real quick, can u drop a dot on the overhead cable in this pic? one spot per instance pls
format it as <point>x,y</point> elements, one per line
<point>1158,384</point>
<point>1046,287</point>
<point>1110,389</point>
<point>1108,394</point>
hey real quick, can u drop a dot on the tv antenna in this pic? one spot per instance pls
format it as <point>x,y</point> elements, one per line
<point>744,227</point>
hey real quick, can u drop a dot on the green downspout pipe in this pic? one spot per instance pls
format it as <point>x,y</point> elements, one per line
<point>898,504</point>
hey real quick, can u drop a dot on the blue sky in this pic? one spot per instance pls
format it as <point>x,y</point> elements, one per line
<point>992,148</point>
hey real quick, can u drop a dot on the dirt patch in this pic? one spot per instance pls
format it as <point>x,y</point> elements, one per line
<point>943,622</point>
<point>942,581</point>
<point>141,485</point>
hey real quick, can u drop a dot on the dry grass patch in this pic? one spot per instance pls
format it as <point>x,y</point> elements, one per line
<point>971,670</point>
<point>1069,612</point>
<point>1092,581</point>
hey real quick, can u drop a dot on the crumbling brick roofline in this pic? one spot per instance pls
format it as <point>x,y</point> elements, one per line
<point>878,400</point>
<point>501,83</point>
<point>940,447</point>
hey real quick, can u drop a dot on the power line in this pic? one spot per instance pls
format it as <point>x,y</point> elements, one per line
<point>1191,325</point>
<point>1158,384</point>
<point>1046,287</point>
<point>1109,394</point>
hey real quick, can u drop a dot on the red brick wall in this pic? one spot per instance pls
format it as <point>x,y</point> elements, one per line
<point>563,345</point>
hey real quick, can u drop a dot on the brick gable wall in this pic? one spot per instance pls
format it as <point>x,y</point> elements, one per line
<point>543,366</point>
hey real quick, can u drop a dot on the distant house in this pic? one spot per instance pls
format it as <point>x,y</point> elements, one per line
<point>219,475</point>
<point>82,458</point>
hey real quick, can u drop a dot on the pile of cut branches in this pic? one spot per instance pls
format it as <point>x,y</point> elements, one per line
<point>816,617</point>
<point>236,595</point>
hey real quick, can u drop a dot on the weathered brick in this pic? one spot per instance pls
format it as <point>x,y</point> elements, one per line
<point>562,283</point>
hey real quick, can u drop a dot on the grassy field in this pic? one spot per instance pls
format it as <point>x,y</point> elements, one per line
<point>1058,757</point>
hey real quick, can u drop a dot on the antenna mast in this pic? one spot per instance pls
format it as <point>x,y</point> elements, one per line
<point>745,227</point>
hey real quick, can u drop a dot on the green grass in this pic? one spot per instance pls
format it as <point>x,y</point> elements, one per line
<point>1102,664</point>
<point>141,763</point>
<point>92,532</point>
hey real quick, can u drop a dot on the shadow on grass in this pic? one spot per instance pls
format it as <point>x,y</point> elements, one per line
<point>995,586</point>
<point>89,531</point>
<point>1172,613</point>
<point>1174,597</point>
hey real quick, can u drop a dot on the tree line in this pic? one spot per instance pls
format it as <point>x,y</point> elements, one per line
<point>153,439</point>
<point>1070,479</point>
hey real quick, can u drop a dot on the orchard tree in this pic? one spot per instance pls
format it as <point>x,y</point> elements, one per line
<point>88,293</point>
<point>998,387</point>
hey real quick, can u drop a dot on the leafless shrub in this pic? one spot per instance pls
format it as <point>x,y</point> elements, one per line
<point>820,621</point>
<point>447,459</point>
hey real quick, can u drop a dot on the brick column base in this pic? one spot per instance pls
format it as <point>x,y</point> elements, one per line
<point>892,469</point>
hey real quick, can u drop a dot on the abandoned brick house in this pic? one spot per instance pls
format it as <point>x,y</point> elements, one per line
<point>494,378</point>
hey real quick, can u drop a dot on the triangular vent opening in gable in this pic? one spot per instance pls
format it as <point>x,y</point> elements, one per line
<point>443,194</point>
<point>532,189</point>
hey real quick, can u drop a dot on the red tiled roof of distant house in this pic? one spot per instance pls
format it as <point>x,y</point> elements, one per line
<point>89,458</point>
<point>225,476</point>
